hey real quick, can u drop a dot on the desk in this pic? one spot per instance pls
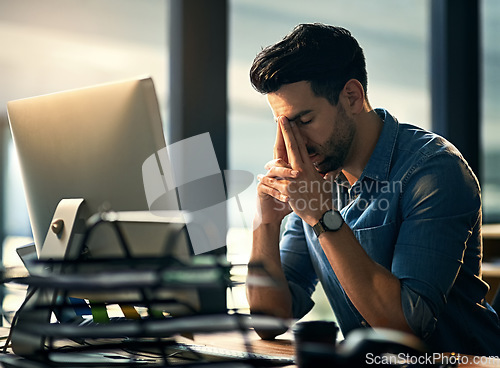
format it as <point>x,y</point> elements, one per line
<point>283,346</point>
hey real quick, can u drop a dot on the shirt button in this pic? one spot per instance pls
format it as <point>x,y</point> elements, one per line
<point>363,323</point>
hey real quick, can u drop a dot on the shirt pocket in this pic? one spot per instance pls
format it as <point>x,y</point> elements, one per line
<point>379,242</point>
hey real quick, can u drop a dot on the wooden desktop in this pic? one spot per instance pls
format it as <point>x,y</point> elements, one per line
<point>284,346</point>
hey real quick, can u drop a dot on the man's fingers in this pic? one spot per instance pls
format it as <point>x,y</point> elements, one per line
<point>282,172</point>
<point>300,143</point>
<point>292,149</point>
<point>270,186</point>
<point>277,183</point>
<point>279,144</point>
<point>276,162</point>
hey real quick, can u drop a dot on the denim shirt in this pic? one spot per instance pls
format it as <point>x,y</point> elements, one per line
<point>416,210</point>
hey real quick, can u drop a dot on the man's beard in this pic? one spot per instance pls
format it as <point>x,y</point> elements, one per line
<point>335,150</point>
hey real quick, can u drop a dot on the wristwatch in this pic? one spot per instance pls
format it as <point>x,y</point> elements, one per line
<point>330,221</point>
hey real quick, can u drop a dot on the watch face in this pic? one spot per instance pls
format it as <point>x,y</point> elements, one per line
<point>332,220</point>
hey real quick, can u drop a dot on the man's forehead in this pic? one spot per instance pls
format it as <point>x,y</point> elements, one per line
<point>292,111</point>
<point>292,116</point>
<point>298,115</point>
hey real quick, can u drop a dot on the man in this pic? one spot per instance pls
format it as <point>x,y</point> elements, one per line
<point>404,252</point>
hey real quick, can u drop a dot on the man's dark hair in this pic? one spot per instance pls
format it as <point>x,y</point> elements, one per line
<point>326,56</point>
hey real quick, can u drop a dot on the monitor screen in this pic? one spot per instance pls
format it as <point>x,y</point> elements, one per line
<point>88,143</point>
<point>92,143</point>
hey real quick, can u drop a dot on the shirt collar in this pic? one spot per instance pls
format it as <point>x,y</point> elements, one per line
<point>380,161</point>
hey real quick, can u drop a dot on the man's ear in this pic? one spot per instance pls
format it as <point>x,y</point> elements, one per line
<point>355,95</point>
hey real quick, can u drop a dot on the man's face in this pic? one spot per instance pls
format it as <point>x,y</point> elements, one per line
<point>326,129</point>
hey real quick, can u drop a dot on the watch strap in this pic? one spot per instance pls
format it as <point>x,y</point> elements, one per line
<point>319,228</point>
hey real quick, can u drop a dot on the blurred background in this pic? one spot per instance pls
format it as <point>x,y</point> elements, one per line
<point>56,45</point>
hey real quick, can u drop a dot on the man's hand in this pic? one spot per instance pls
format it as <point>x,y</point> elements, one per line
<point>292,177</point>
<point>274,204</point>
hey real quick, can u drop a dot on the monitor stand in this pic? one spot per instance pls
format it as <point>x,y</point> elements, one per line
<point>57,245</point>
<point>66,232</point>
<point>66,224</point>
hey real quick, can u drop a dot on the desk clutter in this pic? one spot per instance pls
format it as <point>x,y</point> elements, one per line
<point>158,311</point>
<point>159,304</point>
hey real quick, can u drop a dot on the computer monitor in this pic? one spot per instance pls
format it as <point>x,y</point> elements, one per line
<point>91,143</point>
<point>87,143</point>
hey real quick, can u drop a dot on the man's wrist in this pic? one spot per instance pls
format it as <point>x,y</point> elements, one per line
<point>258,222</point>
<point>330,221</point>
<point>314,218</point>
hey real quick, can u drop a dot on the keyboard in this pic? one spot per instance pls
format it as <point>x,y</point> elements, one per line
<point>196,352</point>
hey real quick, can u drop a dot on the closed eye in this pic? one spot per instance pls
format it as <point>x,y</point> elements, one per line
<point>305,122</point>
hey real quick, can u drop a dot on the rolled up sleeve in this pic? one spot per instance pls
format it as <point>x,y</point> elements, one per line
<point>441,206</point>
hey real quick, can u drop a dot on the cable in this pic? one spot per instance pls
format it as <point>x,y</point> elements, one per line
<point>29,295</point>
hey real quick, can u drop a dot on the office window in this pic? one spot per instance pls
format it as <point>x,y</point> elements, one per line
<point>56,45</point>
<point>490,13</point>
<point>394,36</point>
